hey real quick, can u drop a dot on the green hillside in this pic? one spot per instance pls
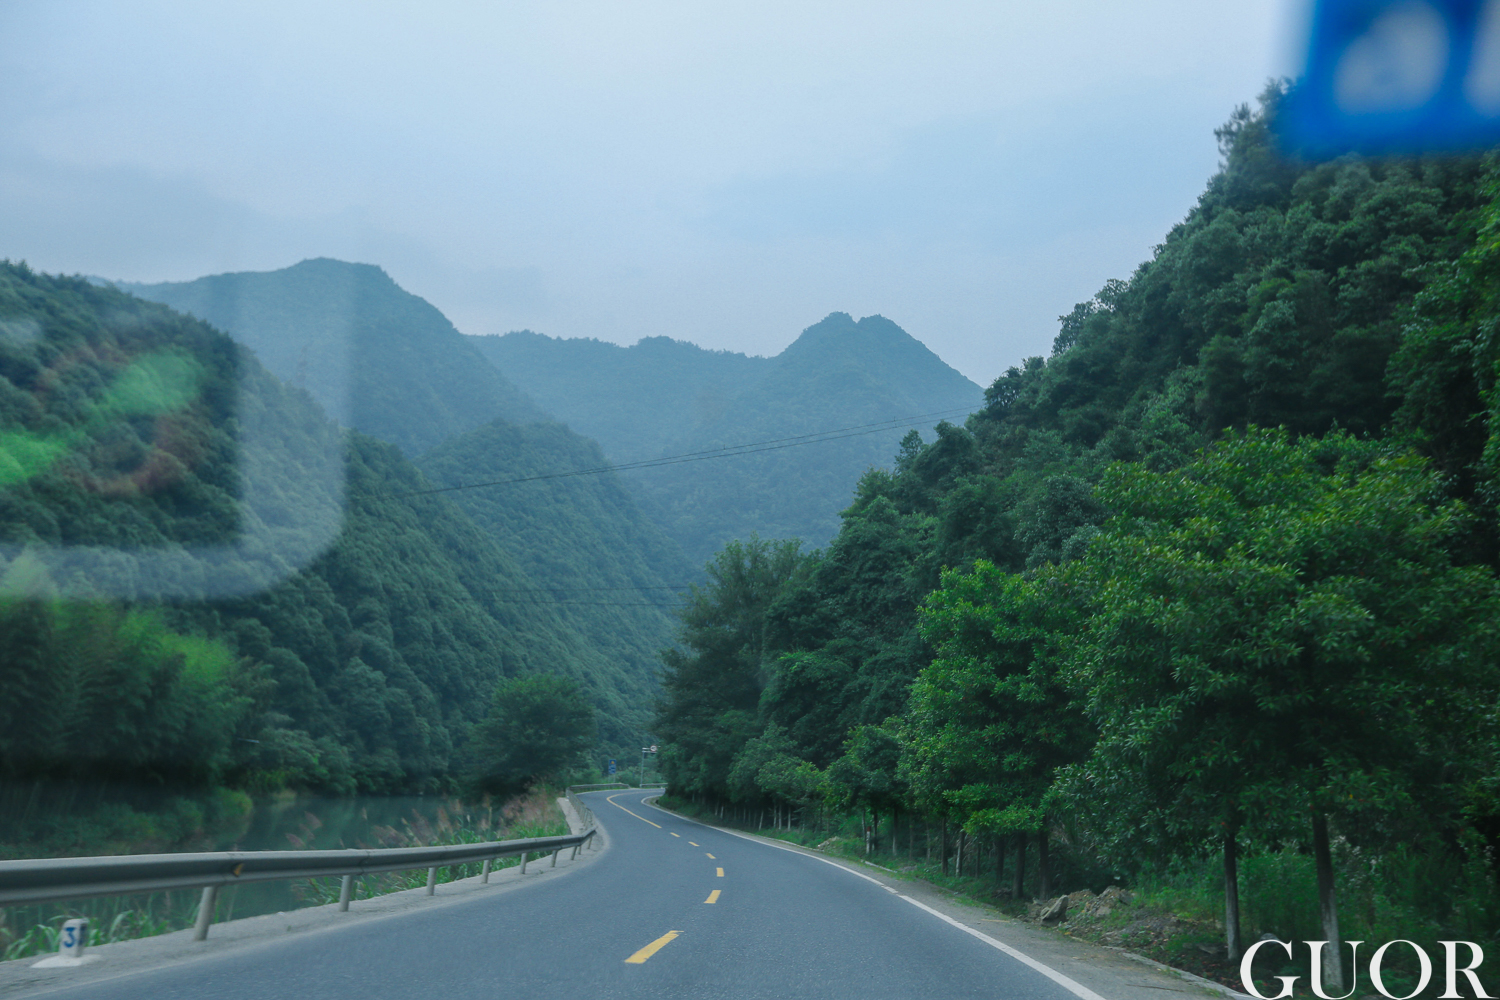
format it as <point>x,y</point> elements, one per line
<point>364,668</point>
<point>1218,575</point>
<point>664,397</point>
<point>636,401</point>
<point>378,358</point>
<point>603,567</point>
<point>418,383</point>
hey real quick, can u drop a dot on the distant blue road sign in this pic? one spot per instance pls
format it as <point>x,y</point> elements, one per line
<point>611,766</point>
<point>1399,76</point>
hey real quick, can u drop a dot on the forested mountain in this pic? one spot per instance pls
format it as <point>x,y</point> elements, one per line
<point>600,564</point>
<point>378,358</point>
<point>639,401</point>
<point>416,382</point>
<point>364,666</point>
<point>1113,608</point>
<point>663,398</point>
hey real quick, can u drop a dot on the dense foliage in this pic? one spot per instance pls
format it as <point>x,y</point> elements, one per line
<point>1110,613</point>
<point>537,727</point>
<point>352,653</point>
<point>595,561</point>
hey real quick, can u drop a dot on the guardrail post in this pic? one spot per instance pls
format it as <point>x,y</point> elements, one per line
<point>205,912</point>
<point>431,881</point>
<point>484,876</point>
<point>524,855</point>
<point>554,857</point>
<point>346,890</point>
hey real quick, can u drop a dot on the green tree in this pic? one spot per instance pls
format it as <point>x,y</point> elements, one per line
<point>768,767</point>
<point>991,721</point>
<point>1281,629</point>
<point>537,727</point>
<point>869,774</point>
<point>713,684</point>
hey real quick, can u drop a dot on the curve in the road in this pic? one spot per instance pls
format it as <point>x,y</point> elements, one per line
<point>674,909</point>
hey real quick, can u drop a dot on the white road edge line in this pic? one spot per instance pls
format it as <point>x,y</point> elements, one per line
<point>1071,985</point>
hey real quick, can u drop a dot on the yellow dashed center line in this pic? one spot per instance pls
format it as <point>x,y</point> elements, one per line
<point>720,871</point>
<point>710,855</point>
<point>675,834</point>
<point>713,897</point>
<point>651,949</point>
<point>690,842</point>
<point>611,801</point>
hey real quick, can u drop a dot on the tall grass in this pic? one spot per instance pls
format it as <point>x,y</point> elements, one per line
<point>1410,893</point>
<point>534,814</point>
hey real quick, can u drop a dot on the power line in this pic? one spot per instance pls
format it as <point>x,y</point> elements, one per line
<point>727,451</point>
<point>556,590</point>
<point>594,604</point>
<point>565,594</point>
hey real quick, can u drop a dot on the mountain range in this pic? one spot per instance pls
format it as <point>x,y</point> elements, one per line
<point>868,382</point>
<point>483,534</point>
<point>377,358</point>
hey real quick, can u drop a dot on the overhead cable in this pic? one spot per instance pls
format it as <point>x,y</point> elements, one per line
<point>726,451</point>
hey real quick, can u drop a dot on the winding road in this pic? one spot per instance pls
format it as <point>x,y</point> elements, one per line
<point>671,909</point>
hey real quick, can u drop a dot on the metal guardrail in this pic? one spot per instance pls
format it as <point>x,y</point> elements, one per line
<point>45,880</point>
<point>584,813</point>
<point>51,879</point>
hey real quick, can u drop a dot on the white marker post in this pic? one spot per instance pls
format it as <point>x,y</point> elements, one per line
<point>71,942</point>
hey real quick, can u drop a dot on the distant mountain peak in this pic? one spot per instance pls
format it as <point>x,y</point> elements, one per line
<point>665,397</point>
<point>375,356</point>
<point>873,341</point>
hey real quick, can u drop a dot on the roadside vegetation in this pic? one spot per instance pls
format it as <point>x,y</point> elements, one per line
<point>1172,913</point>
<point>1203,605</point>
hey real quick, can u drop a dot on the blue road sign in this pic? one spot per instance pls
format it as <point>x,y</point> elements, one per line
<point>611,766</point>
<point>1399,76</point>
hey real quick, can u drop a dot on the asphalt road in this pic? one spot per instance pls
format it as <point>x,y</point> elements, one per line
<point>672,910</point>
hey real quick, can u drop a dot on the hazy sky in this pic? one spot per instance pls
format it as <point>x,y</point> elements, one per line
<point>721,173</point>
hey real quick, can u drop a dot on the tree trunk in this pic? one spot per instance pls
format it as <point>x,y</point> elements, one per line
<point>1231,895</point>
<point>1043,864</point>
<point>1333,965</point>
<point>911,836</point>
<point>945,845</point>
<point>1019,890</point>
<point>999,861</point>
<point>958,858</point>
